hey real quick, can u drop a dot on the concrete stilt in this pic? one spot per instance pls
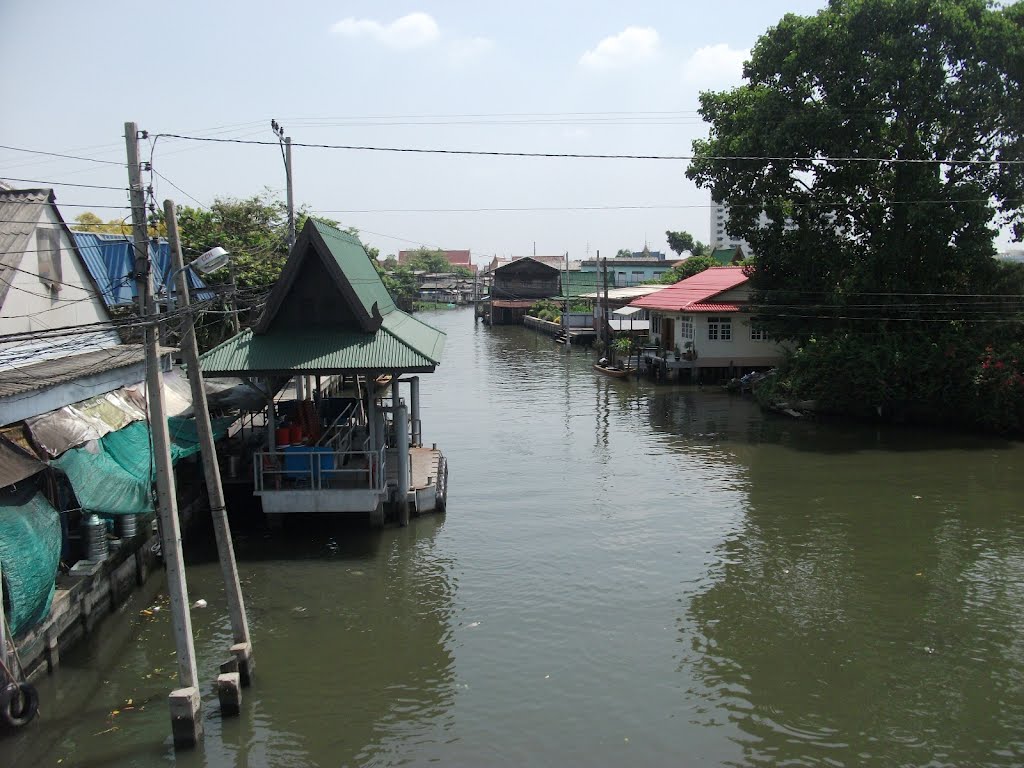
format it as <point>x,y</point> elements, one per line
<point>414,403</point>
<point>229,692</point>
<point>402,457</point>
<point>186,723</point>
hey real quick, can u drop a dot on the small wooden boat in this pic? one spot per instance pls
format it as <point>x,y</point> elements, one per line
<point>615,373</point>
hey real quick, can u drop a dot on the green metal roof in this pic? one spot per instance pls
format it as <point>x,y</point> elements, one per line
<point>725,256</point>
<point>403,344</point>
<point>576,283</point>
<point>354,262</point>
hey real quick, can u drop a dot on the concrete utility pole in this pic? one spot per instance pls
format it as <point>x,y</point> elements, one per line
<point>565,314</point>
<point>286,155</point>
<point>242,648</point>
<point>185,704</point>
<point>3,626</point>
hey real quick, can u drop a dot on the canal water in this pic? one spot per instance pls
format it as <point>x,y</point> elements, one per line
<point>627,574</point>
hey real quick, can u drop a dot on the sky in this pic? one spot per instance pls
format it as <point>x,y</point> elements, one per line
<point>555,77</point>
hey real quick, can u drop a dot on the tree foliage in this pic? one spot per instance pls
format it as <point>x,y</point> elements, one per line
<point>690,267</point>
<point>682,241</point>
<point>918,81</point>
<point>880,119</point>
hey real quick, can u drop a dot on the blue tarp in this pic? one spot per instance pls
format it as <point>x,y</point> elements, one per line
<point>109,259</point>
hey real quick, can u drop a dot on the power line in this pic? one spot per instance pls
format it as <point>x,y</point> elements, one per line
<point>186,194</point>
<point>58,154</point>
<point>587,156</point>
<point>65,184</point>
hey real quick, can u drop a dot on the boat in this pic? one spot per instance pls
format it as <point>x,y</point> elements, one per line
<point>615,373</point>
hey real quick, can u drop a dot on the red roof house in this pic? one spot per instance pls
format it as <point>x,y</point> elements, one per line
<point>701,325</point>
<point>455,258</point>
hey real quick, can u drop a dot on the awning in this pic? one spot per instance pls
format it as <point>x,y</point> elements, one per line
<point>15,464</point>
<point>627,311</point>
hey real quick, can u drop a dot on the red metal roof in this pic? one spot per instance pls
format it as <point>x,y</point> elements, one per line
<point>694,292</point>
<point>455,258</point>
<point>705,306</point>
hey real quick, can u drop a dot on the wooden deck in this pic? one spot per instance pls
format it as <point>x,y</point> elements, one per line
<point>425,467</point>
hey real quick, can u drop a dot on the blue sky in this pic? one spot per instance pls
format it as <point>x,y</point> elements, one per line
<point>592,77</point>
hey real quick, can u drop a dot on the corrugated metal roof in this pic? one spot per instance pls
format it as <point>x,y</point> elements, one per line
<point>713,307</point>
<point>19,212</point>
<point>575,283</point>
<point>693,290</point>
<point>355,264</point>
<point>329,351</point>
<point>110,260</point>
<point>49,373</point>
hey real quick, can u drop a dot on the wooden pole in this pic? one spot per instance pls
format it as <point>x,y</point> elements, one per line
<point>242,647</point>
<point>604,312</point>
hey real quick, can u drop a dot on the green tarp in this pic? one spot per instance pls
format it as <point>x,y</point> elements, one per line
<point>30,540</point>
<point>113,476</point>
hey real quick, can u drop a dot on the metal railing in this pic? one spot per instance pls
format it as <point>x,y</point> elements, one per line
<point>320,468</point>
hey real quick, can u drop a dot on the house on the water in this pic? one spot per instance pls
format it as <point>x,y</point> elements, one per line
<point>74,438</point>
<point>517,285</point>
<point>701,329</point>
<point>348,442</point>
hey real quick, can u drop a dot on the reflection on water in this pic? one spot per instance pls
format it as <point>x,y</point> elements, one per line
<point>628,574</point>
<point>864,609</point>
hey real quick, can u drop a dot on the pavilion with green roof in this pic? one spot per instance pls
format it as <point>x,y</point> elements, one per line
<point>330,320</point>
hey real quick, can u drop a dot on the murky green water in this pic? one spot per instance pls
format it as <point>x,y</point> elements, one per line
<point>627,574</point>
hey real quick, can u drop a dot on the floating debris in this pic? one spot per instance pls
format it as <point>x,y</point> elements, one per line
<point>200,603</point>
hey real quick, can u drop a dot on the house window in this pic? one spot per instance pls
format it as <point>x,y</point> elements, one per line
<point>719,329</point>
<point>638,277</point>
<point>48,258</point>
<point>658,274</point>
<point>686,327</point>
<point>655,323</point>
<point>758,333</point>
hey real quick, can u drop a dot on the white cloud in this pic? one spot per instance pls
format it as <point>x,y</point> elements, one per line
<point>631,46</point>
<point>715,65</point>
<point>470,48</point>
<point>412,31</point>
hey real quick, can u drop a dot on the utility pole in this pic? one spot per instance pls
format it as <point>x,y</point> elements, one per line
<point>185,704</point>
<point>241,650</point>
<point>565,314</point>
<point>604,309</point>
<point>286,155</point>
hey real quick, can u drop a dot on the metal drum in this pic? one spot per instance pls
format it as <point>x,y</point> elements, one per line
<point>127,526</point>
<point>94,533</point>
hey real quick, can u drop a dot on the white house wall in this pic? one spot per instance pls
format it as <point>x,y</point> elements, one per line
<point>31,306</point>
<point>740,350</point>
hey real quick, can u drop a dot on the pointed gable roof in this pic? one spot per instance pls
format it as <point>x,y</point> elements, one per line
<point>320,249</point>
<point>693,292</point>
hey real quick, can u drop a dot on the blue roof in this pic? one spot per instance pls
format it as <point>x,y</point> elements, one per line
<point>109,258</point>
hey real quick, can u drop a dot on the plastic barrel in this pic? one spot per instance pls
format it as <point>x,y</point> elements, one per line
<point>282,437</point>
<point>295,433</point>
<point>94,531</point>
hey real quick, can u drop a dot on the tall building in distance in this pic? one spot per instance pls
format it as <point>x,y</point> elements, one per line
<point>720,237</point>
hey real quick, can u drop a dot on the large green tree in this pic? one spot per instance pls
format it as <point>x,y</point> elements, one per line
<point>683,241</point>
<point>872,126</point>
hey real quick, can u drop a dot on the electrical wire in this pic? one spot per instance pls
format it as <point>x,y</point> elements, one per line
<point>59,154</point>
<point>65,184</point>
<point>588,156</point>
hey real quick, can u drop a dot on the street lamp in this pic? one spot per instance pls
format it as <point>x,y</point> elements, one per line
<point>210,261</point>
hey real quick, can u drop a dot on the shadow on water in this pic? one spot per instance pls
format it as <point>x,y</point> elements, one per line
<point>352,639</point>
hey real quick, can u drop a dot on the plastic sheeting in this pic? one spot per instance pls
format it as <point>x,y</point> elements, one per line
<point>73,425</point>
<point>114,475</point>
<point>30,538</point>
<point>15,464</point>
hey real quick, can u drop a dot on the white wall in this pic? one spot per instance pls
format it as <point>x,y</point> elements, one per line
<point>31,306</point>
